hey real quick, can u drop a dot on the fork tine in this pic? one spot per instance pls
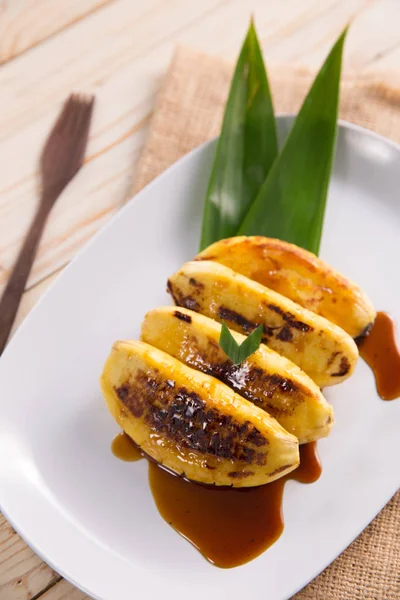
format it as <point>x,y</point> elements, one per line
<point>82,127</point>
<point>64,115</point>
<point>88,113</point>
<point>87,118</point>
<point>83,113</point>
<point>63,153</point>
<point>72,116</point>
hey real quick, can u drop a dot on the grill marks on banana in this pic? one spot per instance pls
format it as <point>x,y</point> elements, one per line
<point>226,314</point>
<point>182,417</point>
<point>180,299</point>
<point>266,379</point>
<point>280,470</point>
<point>283,333</point>
<point>290,319</point>
<point>320,348</point>
<point>344,367</point>
<point>182,317</point>
<point>190,422</point>
<point>250,381</point>
<point>259,387</point>
<point>298,275</point>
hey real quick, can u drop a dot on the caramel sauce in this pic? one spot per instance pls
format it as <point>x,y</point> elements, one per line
<point>124,448</point>
<point>229,526</point>
<point>380,352</point>
<point>310,468</point>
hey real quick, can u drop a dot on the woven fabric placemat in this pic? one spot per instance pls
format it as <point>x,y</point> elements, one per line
<point>188,112</point>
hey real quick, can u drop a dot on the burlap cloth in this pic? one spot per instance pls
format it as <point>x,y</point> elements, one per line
<point>188,112</point>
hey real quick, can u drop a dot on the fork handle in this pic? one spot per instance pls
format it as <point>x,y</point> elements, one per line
<point>15,287</point>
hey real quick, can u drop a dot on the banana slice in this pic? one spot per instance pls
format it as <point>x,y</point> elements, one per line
<point>267,379</point>
<point>299,275</point>
<point>192,423</point>
<point>323,350</point>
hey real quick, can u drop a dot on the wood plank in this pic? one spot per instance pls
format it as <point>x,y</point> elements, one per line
<point>89,53</point>
<point>22,574</point>
<point>310,41</point>
<point>378,46</point>
<point>26,23</point>
<point>64,591</point>
<point>125,99</point>
<point>375,34</point>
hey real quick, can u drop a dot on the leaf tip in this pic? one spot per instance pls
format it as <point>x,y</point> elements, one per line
<point>341,39</point>
<point>252,31</point>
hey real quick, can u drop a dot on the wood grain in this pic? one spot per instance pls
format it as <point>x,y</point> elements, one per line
<point>120,49</point>
<point>26,23</point>
<point>22,574</point>
<point>63,591</point>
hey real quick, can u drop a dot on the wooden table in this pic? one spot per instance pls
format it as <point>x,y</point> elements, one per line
<point>119,49</point>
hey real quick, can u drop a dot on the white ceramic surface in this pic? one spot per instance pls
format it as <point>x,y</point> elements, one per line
<point>91,516</point>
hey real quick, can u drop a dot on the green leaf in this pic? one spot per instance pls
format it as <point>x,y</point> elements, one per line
<point>291,203</point>
<point>246,148</point>
<point>239,352</point>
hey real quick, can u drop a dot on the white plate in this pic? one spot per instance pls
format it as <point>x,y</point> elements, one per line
<point>91,516</point>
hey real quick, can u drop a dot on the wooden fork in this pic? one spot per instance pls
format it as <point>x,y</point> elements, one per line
<point>61,159</point>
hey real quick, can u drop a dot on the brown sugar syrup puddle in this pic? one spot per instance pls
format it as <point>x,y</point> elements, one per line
<point>380,352</point>
<point>229,526</point>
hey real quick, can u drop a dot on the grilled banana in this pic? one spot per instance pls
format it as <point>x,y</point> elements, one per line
<point>267,379</point>
<point>323,350</point>
<point>299,275</point>
<point>191,422</point>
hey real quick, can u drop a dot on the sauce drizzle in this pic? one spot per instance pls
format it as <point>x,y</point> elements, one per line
<point>124,448</point>
<point>310,467</point>
<point>229,526</point>
<point>380,352</point>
